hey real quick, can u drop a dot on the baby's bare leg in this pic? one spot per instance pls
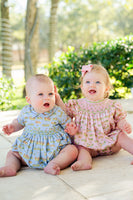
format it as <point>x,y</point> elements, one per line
<point>62,160</point>
<point>125,142</point>
<point>116,148</point>
<point>84,161</point>
<point>12,165</point>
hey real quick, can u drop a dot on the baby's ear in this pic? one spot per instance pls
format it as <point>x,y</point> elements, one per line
<point>107,88</point>
<point>28,99</point>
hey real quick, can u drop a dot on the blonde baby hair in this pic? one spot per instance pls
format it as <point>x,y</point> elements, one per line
<point>37,77</point>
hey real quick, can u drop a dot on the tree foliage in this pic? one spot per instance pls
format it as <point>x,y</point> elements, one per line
<point>80,23</point>
<point>86,22</point>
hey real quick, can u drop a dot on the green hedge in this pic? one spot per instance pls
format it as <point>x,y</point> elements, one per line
<point>6,92</point>
<point>116,56</point>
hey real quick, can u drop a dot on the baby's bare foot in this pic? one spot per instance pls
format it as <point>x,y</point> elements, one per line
<point>7,171</point>
<point>131,162</point>
<point>52,168</point>
<point>81,165</point>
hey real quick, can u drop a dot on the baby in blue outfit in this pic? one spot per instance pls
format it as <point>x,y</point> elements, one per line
<point>45,142</point>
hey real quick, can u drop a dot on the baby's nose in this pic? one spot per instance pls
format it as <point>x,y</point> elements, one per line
<point>92,83</point>
<point>46,96</point>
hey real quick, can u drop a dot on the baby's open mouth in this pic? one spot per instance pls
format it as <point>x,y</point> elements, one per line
<point>92,91</point>
<point>46,104</point>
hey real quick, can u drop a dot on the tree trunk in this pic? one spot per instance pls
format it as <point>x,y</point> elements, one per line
<point>53,29</point>
<point>6,39</point>
<point>31,39</point>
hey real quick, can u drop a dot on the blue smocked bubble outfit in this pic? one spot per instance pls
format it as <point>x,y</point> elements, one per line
<point>43,136</point>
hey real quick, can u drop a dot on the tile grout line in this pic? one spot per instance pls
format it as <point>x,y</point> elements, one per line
<point>73,188</point>
<point>101,194</point>
<point>5,138</point>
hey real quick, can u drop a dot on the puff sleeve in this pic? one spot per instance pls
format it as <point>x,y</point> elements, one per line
<point>119,112</point>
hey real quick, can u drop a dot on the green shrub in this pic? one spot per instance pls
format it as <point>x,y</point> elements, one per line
<point>6,92</point>
<point>116,56</point>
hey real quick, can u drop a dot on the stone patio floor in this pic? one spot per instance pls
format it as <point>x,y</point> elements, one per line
<point>111,177</point>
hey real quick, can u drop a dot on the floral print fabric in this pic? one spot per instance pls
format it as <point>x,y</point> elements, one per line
<point>97,122</point>
<point>43,136</point>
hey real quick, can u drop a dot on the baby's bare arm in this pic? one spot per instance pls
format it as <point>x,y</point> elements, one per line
<point>59,101</point>
<point>12,127</point>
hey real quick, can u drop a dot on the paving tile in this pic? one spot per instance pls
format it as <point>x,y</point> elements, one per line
<point>118,195</point>
<point>127,104</point>
<point>32,184</point>
<point>4,143</point>
<point>3,154</point>
<point>109,174</point>
<point>11,138</point>
<point>8,116</point>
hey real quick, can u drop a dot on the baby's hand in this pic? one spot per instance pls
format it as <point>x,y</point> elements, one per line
<point>125,126</point>
<point>8,129</point>
<point>71,128</point>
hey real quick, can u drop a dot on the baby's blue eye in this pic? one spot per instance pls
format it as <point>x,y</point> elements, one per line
<point>87,81</point>
<point>40,94</point>
<point>97,82</point>
<point>51,93</point>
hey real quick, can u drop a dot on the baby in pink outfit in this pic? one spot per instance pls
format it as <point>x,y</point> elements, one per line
<point>101,122</point>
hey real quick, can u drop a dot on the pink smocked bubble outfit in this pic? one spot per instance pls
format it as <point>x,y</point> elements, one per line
<point>97,122</point>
